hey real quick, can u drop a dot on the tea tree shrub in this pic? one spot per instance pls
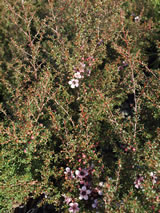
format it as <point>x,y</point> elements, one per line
<point>79,105</point>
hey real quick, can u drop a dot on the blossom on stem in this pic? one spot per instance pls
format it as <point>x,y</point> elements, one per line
<point>67,199</point>
<point>95,204</point>
<point>154,177</point>
<point>81,173</point>
<point>78,75</point>
<point>100,192</point>
<point>138,182</point>
<point>136,18</point>
<point>84,193</point>
<point>73,207</point>
<point>101,184</point>
<point>73,83</point>
<point>69,173</point>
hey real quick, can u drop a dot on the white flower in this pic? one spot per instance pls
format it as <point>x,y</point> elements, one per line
<point>67,170</point>
<point>77,75</point>
<point>151,174</point>
<point>84,193</point>
<point>101,184</point>
<point>136,18</point>
<point>73,207</point>
<point>74,83</point>
<point>154,177</point>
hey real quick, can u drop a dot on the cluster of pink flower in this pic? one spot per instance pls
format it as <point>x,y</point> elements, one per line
<point>81,72</point>
<point>138,182</point>
<point>87,192</point>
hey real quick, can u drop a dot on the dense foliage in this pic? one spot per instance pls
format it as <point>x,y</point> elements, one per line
<point>80,104</point>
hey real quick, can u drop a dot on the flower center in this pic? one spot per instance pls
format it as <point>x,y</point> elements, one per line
<point>82,173</point>
<point>74,207</point>
<point>83,193</point>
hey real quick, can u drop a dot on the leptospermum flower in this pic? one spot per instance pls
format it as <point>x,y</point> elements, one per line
<point>81,173</point>
<point>97,190</point>
<point>73,207</point>
<point>95,204</point>
<point>78,75</point>
<point>67,199</point>
<point>69,173</point>
<point>136,18</point>
<point>101,184</point>
<point>138,182</point>
<point>154,177</point>
<point>100,192</point>
<point>84,193</point>
<point>73,83</point>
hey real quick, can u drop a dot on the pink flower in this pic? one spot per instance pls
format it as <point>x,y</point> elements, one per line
<point>138,182</point>
<point>68,200</point>
<point>134,149</point>
<point>81,173</point>
<point>84,193</point>
<point>69,173</point>
<point>83,156</point>
<point>32,137</point>
<point>73,207</point>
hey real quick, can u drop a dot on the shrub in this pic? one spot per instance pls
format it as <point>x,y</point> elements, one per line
<point>79,105</point>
